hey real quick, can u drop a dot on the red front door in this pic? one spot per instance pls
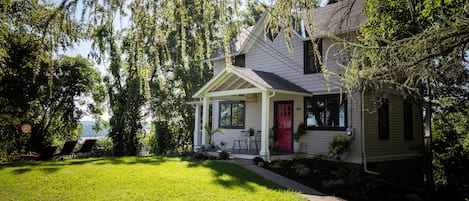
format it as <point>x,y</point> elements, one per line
<point>284,120</point>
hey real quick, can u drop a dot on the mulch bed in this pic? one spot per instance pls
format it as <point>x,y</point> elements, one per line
<point>340,180</point>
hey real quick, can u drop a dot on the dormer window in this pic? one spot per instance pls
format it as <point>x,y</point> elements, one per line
<point>311,61</point>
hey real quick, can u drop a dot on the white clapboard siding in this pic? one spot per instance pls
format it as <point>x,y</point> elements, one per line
<point>252,120</point>
<point>315,142</point>
<point>275,57</point>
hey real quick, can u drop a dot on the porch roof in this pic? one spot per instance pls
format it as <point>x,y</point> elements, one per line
<point>240,81</point>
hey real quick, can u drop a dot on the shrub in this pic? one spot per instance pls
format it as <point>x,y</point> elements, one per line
<point>338,146</point>
<point>257,160</point>
<point>200,156</point>
<point>211,157</point>
<point>301,169</point>
<point>279,164</point>
<point>5,157</point>
<point>224,155</point>
<point>185,153</point>
<point>103,147</point>
<point>333,183</point>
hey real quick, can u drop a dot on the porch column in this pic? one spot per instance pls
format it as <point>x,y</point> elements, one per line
<point>197,127</point>
<point>205,109</point>
<point>264,152</point>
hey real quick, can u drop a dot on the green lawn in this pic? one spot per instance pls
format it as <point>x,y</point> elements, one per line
<point>135,178</point>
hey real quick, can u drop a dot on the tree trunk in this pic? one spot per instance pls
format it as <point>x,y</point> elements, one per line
<point>428,154</point>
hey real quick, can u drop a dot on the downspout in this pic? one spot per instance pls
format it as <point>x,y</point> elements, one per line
<point>362,121</point>
<point>268,155</point>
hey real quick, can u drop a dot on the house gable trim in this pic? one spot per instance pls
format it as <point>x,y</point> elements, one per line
<point>233,92</point>
<point>212,83</point>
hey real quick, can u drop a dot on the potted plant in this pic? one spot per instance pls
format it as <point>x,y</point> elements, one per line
<point>273,138</point>
<point>211,133</point>
<point>296,136</point>
<point>251,132</point>
<point>222,144</point>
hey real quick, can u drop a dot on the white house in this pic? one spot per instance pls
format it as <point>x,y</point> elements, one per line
<point>268,86</point>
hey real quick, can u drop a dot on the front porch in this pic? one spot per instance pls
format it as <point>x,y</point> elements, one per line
<point>256,91</point>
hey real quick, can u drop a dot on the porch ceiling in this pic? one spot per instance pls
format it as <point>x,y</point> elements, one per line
<point>240,81</point>
<point>233,82</point>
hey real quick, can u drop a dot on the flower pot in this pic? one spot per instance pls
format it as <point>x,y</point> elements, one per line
<point>296,146</point>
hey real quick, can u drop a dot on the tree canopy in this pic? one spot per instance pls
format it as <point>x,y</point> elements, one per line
<point>36,85</point>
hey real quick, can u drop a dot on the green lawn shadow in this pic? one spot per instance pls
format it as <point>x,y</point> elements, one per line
<point>228,175</point>
<point>240,177</point>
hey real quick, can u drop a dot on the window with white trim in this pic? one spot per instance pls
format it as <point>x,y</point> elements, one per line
<point>232,114</point>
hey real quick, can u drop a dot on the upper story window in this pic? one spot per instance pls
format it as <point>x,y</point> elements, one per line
<point>311,61</point>
<point>272,35</point>
<point>383,119</point>
<point>239,60</point>
<point>326,112</point>
<point>232,114</point>
<point>408,121</point>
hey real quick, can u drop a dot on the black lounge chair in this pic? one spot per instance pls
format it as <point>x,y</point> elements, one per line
<point>67,148</point>
<point>86,147</point>
<point>46,154</point>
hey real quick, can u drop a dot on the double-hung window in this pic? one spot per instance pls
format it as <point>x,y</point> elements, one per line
<point>311,60</point>
<point>408,121</point>
<point>383,119</point>
<point>232,114</point>
<point>326,112</point>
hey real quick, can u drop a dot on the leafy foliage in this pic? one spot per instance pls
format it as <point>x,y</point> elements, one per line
<point>211,132</point>
<point>51,109</point>
<point>37,86</point>
<point>451,153</point>
<point>162,141</point>
<point>338,146</point>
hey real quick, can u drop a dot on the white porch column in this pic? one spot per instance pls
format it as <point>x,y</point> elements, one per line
<point>264,152</point>
<point>205,110</point>
<point>197,127</point>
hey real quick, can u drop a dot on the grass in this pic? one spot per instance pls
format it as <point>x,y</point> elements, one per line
<point>135,178</point>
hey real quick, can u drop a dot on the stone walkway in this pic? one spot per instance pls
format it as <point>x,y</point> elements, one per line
<point>307,192</point>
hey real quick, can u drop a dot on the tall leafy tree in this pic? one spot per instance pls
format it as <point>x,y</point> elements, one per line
<point>36,86</point>
<point>62,104</point>
<point>27,95</point>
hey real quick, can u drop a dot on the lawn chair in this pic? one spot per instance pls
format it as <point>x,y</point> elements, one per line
<point>86,147</point>
<point>46,154</point>
<point>67,148</point>
<point>241,138</point>
<point>256,139</point>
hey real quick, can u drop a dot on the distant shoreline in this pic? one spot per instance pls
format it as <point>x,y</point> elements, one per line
<point>88,132</point>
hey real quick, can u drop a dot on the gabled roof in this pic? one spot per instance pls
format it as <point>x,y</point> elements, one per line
<point>235,44</point>
<point>341,17</point>
<point>241,81</point>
